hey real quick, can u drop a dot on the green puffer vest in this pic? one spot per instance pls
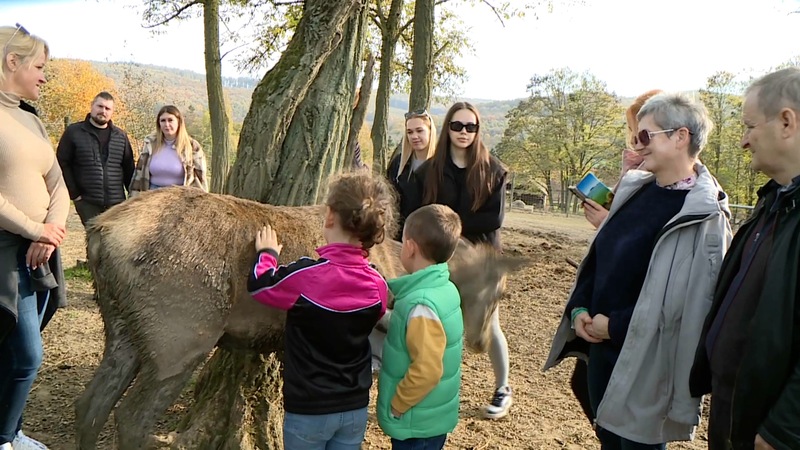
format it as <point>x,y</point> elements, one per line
<point>437,413</point>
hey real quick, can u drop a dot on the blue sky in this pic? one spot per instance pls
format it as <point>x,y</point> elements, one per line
<point>633,45</point>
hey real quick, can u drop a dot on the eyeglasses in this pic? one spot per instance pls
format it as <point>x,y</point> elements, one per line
<point>417,113</point>
<point>458,126</point>
<point>645,136</point>
<point>19,28</point>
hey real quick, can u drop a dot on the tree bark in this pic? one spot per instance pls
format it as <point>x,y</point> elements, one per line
<point>390,33</point>
<point>315,144</point>
<point>422,56</point>
<point>360,111</point>
<point>220,123</point>
<point>278,96</point>
<point>237,404</point>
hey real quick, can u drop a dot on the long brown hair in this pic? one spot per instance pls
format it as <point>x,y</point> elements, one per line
<point>479,171</point>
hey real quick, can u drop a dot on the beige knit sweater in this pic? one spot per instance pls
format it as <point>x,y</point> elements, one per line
<point>32,190</point>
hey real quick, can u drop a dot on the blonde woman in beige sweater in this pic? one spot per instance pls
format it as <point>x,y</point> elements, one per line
<point>33,212</point>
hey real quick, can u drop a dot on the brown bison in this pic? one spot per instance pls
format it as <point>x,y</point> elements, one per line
<point>170,269</point>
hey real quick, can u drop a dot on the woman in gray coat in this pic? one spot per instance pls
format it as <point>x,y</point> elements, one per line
<point>644,288</point>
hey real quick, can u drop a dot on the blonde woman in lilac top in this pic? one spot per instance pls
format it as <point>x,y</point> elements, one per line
<point>169,157</point>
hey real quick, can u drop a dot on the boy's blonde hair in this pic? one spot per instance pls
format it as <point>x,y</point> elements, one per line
<point>436,229</point>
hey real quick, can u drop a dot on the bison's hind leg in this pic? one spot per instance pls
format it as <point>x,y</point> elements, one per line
<point>147,400</point>
<point>111,379</point>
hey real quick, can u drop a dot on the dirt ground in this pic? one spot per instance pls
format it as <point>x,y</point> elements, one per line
<point>545,415</point>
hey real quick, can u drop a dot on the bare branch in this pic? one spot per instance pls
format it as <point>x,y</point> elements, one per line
<point>175,14</point>
<point>496,12</point>
<point>440,50</point>
<point>233,49</point>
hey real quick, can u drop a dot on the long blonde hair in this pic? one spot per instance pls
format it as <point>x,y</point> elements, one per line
<point>26,46</point>
<point>183,142</point>
<point>407,150</point>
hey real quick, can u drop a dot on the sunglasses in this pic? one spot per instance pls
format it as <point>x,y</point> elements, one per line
<point>417,113</point>
<point>19,28</point>
<point>458,126</point>
<point>645,136</point>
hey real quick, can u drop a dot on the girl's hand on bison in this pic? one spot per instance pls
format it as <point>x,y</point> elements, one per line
<point>267,239</point>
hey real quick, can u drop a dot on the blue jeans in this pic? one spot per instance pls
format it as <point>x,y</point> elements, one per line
<point>431,443</point>
<point>20,356</point>
<point>602,359</point>
<point>336,431</point>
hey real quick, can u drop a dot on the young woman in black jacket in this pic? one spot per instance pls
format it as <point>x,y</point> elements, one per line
<point>419,144</point>
<point>464,176</point>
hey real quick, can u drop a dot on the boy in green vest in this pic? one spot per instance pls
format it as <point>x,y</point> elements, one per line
<point>418,388</point>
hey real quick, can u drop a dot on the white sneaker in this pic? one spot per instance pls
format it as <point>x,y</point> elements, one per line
<point>22,442</point>
<point>6,446</point>
<point>501,402</point>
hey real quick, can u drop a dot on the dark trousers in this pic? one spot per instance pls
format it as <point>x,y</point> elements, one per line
<point>88,211</point>
<point>431,443</point>
<point>580,387</point>
<point>719,418</point>
<point>601,363</point>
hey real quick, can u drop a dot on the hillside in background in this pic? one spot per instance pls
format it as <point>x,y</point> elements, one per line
<point>187,89</point>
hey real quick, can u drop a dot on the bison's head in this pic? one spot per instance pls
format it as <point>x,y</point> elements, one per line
<point>479,272</point>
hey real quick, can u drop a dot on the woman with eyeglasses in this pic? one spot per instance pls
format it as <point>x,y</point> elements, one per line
<point>419,144</point>
<point>34,204</point>
<point>642,292</point>
<point>592,210</point>
<point>169,156</point>
<point>463,175</point>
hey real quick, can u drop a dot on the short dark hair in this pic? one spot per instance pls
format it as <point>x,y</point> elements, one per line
<point>104,95</point>
<point>436,230</point>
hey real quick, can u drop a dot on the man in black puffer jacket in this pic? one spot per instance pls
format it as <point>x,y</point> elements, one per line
<point>96,159</point>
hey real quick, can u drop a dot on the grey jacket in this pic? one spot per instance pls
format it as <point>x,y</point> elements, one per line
<point>647,399</point>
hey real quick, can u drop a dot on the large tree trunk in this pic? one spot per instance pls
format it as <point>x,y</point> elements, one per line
<point>360,111</point>
<point>315,145</point>
<point>237,404</point>
<point>278,96</point>
<point>292,139</point>
<point>390,32</point>
<point>422,56</point>
<point>220,132</point>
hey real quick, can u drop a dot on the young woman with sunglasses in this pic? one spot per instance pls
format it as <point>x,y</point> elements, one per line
<point>464,176</point>
<point>643,290</point>
<point>419,144</point>
<point>34,204</point>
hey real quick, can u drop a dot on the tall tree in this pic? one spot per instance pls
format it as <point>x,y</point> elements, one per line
<point>360,110</point>
<point>220,122</point>
<point>291,140</point>
<point>390,29</point>
<point>422,56</point>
